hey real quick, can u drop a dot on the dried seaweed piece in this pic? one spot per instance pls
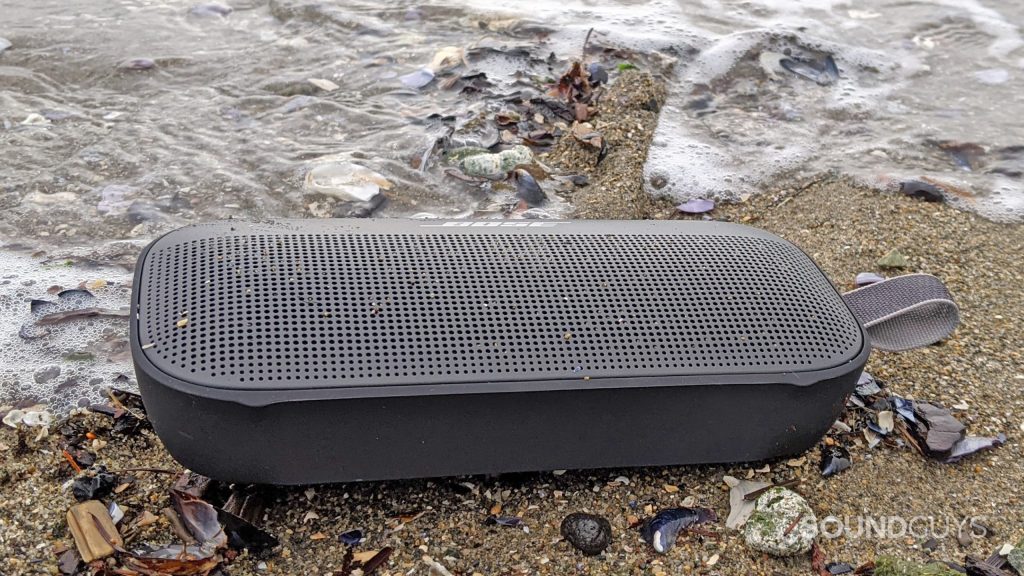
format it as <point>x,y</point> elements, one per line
<point>174,560</point>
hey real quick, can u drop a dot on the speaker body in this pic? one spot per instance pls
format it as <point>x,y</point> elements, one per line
<point>309,351</point>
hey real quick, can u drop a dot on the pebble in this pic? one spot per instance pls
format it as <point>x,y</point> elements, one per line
<point>4,44</point>
<point>588,533</point>
<point>137,64</point>
<point>46,374</point>
<point>893,259</point>
<point>495,165</point>
<point>211,9</point>
<point>783,524</point>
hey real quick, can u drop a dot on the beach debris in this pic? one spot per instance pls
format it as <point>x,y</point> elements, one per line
<point>936,428</point>
<point>138,64</point>
<point>585,133</point>
<point>838,568</point>
<point>588,533</point>
<point>892,259</point>
<point>527,189</point>
<point>740,508</point>
<point>93,483</point>
<point>323,84</point>
<point>494,166</point>
<point>116,514</point>
<point>435,567</point>
<point>596,74</point>
<point>353,537</point>
<point>417,79</point>
<point>31,417</point>
<point>244,535</point>
<point>211,9</point>
<point>173,560</point>
<point>867,385</point>
<point>369,561</point>
<point>344,180</point>
<point>834,459</point>
<point>783,524</point>
<point>971,444</point>
<point>886,422</point>
<point>662,530</point>
<point>69,562</point>
<point>923,190</point>
<point>575,89</point>
<point>867,278</point>
<point>823,71</point>
<point>507,521</point>
<point>70,305</point>
<point>988,567</point>
<point>696,206</point>
<point>200,519</point>
<point>94,532</point>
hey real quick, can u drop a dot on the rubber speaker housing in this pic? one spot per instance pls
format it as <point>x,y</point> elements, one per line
<point>311,351</point>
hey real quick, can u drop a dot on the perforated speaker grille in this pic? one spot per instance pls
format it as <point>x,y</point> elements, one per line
<point>283,309</point>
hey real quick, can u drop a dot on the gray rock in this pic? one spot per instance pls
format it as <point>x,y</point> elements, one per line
<point>783,524</point>
<point>44,375</point>
<point>1016,557</point>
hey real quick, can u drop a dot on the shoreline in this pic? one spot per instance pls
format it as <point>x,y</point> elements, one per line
<point>844,227</point>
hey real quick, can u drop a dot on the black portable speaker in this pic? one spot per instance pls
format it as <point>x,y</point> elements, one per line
<point>310,351</point>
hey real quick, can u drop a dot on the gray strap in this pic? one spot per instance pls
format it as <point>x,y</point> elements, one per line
<point>904,312</point>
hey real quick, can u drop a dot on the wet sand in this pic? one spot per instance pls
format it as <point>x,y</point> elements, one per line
<point>845,228</point>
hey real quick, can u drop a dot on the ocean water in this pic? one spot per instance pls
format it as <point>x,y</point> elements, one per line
<point>120,120</point>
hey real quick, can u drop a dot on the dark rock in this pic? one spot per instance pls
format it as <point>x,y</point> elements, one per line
<point>93,484</point>
<point>588,533</point>
<point>922,190</point>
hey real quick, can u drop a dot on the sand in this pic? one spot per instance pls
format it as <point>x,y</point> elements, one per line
<point>845,228</point>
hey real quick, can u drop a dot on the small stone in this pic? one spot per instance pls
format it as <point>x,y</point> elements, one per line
<point>210,9</point>
<point>137,64</point>
<point>44,375</point>
<point>713,560</point>
<point>324,84</point>
<point>892,260</point>
<point>671,488</point>
<point>866,278</point>
<point>589,533</point>
<point>783,524</point>
<point>4,44</point>
<point>496,165</point>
